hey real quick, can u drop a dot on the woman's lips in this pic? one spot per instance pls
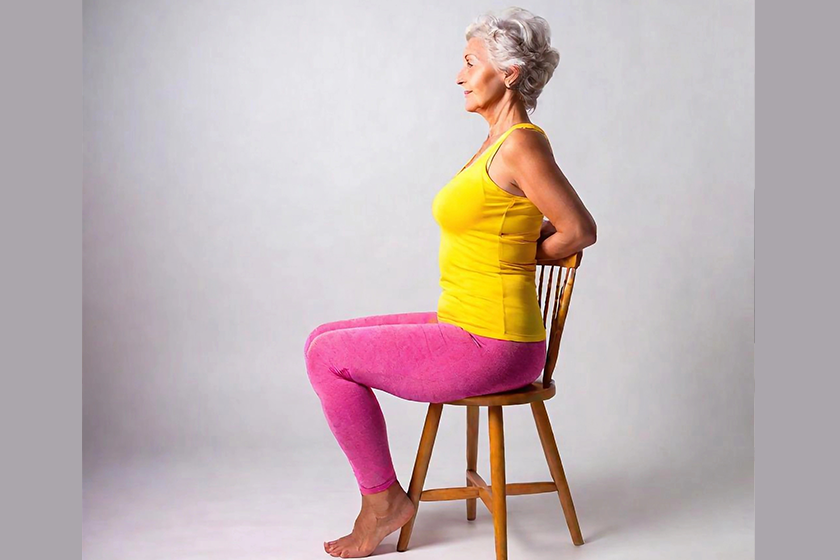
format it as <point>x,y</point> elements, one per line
<point>467,93</point>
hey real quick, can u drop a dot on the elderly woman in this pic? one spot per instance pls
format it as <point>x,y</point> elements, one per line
<point>487,333</point>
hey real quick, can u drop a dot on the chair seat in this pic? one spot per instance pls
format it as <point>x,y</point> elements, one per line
<point>523,395</point>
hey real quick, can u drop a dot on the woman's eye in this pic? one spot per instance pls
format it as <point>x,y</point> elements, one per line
<point>468,64</point>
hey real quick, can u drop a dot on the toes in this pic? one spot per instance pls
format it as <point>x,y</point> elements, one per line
<point>340,550</point>
<point>337,549</point>
<point>332,547</point>
<point>351,552</point>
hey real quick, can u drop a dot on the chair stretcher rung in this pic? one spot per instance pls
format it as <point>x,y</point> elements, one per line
<point>465,492</point>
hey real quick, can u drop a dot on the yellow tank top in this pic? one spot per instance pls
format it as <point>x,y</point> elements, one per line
<point>487,256</point>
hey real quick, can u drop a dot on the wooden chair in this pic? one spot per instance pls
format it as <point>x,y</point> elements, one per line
<point>554,299</point>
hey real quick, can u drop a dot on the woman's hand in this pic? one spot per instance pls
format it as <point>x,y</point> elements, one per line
<point>546,230</point>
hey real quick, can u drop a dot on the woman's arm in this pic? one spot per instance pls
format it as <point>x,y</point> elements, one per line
<point>553,243</point>
<point>531,161</point>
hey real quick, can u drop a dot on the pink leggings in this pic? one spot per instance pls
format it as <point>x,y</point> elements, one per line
<point>409,355</point>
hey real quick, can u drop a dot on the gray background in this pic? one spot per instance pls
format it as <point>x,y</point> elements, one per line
<point>254,169</point>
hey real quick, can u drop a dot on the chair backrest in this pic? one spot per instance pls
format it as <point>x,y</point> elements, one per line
<point>554,294</point>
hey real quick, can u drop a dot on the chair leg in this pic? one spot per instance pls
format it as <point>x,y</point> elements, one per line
<point>552,456</point>
<point>497,479</point>
<point>421,467</point>
<point>472,452</point>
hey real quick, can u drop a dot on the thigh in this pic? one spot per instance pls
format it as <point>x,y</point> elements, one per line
<point>408,318</point>
<point>426,362</point>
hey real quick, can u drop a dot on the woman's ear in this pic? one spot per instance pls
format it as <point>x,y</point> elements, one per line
<point>511,76</point>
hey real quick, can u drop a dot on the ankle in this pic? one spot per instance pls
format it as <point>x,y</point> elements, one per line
<point>381,503</point>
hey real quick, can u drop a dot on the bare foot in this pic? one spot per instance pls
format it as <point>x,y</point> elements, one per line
<point>382,514</point>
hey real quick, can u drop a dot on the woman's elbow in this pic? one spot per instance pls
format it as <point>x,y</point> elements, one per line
<point>588,235</point>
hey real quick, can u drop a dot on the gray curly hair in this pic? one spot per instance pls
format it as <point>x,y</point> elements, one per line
<point>516,37</point>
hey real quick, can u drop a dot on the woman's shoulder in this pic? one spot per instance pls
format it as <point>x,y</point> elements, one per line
<point>525,144</point>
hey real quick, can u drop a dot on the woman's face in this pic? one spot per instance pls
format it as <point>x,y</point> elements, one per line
<point>483,85</point>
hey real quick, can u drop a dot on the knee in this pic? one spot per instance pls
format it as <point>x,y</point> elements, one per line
<point>321,366</point>
<point>306,344</point>
<point>317,331</point>
<point>315,354</point>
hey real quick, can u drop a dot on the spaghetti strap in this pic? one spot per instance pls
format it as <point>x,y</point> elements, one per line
<point>491,152</point>
<point>492,148</point>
